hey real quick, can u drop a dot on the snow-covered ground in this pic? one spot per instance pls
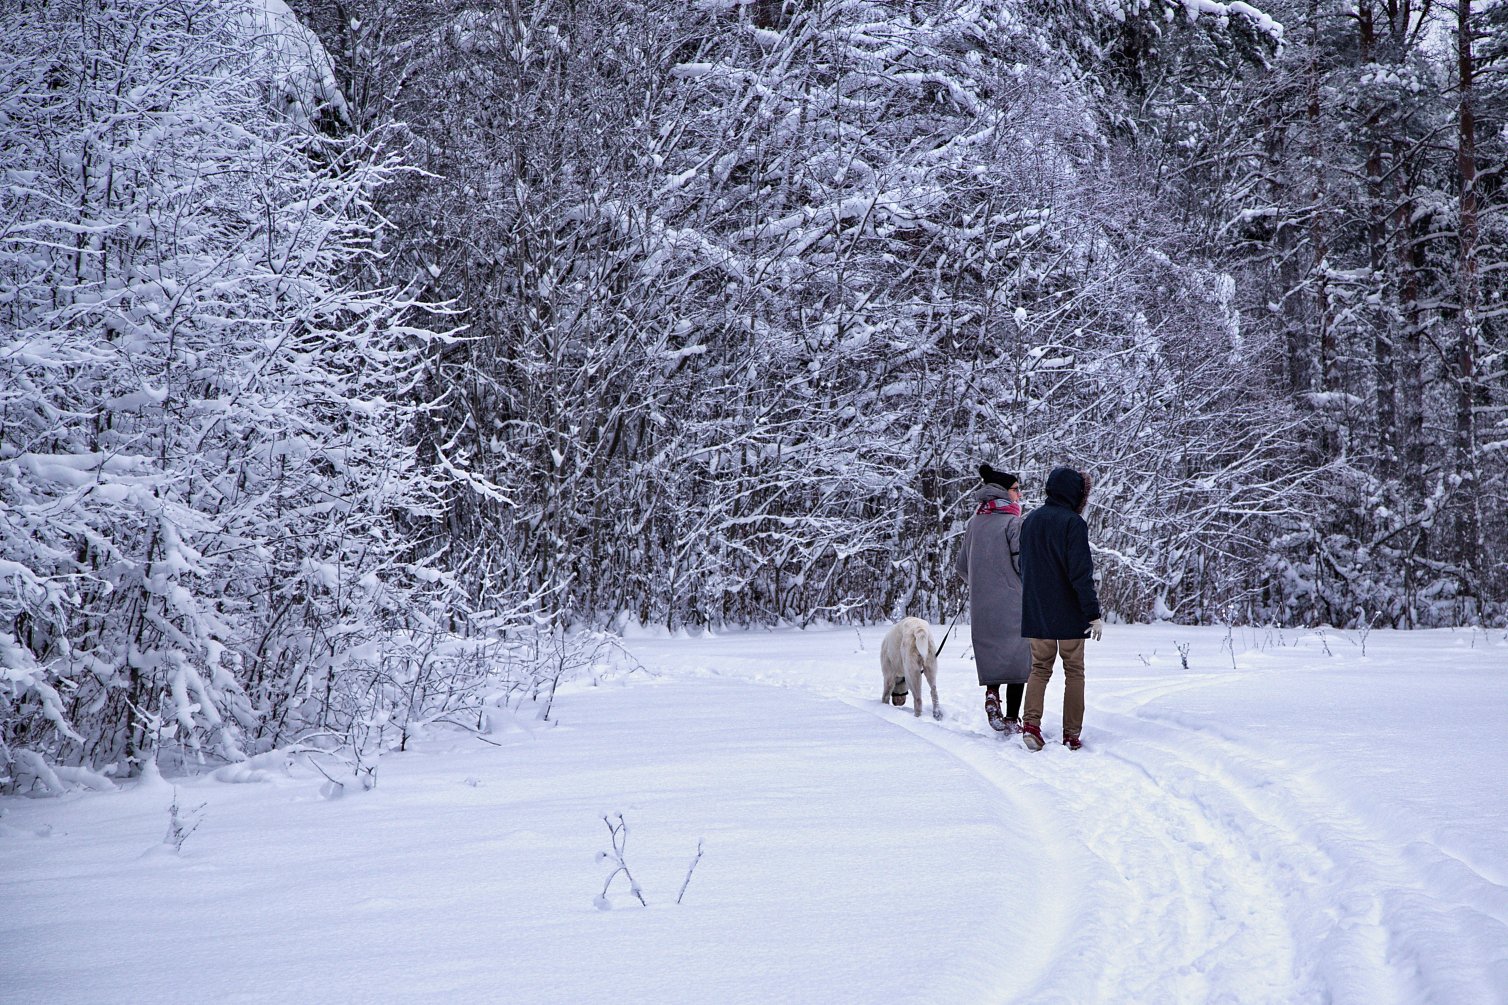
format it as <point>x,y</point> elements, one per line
<point>1297,822</point>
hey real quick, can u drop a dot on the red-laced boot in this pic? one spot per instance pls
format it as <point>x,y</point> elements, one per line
<point>1031,735</point>
<point>992,712</point>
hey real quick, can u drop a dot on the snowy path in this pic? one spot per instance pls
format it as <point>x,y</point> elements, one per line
<point>1193,863</point>
<point>1170,900</point>
<point>1183,883</point>
<point>1298,824</point>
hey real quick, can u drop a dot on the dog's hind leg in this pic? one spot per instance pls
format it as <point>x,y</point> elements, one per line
<point>922,662</point>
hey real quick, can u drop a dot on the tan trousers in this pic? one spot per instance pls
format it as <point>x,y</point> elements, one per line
<point>1044,652</point>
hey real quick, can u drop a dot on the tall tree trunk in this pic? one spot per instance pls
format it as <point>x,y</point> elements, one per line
<point>1467,293</point>
<point>1322,376</point>
<point>1377,212</point>
<point>1290,272</point>
<point>1409,442</point>
<point>1322,379</point>
<point>1410,436</point>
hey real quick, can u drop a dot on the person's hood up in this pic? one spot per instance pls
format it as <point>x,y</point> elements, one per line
<point>1066,487</point>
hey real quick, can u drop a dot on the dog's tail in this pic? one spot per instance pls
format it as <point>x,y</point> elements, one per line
<point>921,638</point>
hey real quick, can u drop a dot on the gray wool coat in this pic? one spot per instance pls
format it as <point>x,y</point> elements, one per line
<point>989,562</point>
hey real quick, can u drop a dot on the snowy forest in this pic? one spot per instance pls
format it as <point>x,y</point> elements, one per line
<point>365,363</point>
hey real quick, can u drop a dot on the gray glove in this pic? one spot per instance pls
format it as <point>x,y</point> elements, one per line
<point>1096,628</point>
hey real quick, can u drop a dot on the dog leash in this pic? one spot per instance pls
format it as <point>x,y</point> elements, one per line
<point>948,632</point>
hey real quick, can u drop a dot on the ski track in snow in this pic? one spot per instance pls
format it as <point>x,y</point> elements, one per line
<point>1117,827</point>
<point>1267,888</point>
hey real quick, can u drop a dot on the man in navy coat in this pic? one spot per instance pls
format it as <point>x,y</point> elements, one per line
<point>1059,607</point>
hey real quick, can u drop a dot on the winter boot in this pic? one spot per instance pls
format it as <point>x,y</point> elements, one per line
<point>1012,726</point>
<point>1031,735</point>
<point>992,712</point>
<point>1072,742</point>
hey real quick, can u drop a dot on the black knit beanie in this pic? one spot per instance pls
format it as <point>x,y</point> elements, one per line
<point>992,477</point>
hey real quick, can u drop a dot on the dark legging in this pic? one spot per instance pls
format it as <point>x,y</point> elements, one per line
<point>1013,693</point>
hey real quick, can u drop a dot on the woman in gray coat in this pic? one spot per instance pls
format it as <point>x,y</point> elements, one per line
<point>989,561</point>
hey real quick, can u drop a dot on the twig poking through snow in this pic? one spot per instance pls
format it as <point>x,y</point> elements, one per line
<point>619,834</point>
<point>690,869</point>
<point>182,822</point>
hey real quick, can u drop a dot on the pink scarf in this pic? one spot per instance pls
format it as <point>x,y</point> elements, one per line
<point>999,506</point>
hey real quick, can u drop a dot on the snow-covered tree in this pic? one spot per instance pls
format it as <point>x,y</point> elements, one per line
<point>753,289</point>
<point>205,393</point>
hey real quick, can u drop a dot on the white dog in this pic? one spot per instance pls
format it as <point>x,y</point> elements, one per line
<point>906,654</point>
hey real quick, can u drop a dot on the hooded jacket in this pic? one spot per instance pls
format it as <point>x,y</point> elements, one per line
<point>1057,571</point>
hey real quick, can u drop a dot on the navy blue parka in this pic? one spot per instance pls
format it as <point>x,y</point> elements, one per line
<point>1057,571</point>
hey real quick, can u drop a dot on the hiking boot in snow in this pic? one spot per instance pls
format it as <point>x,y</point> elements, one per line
<point>1012,726</point>
<point>992,712</point>
<point>1071,742</point>
<point>1031,735</point>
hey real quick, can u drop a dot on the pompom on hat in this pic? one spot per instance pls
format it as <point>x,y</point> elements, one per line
<point>1001,478</point>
